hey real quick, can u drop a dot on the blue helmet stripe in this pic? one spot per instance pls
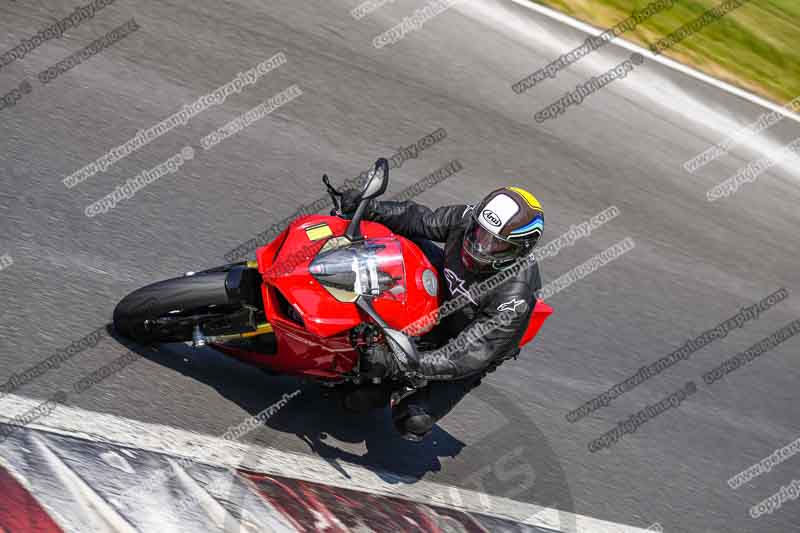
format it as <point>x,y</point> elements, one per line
<point>536,223</point>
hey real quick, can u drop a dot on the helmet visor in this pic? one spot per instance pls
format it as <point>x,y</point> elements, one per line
<point>486,247</point>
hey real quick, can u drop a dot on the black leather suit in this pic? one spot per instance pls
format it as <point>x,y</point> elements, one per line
<point>475,338</point>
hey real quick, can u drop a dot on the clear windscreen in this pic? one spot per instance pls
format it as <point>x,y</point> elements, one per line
<point>372,267</point>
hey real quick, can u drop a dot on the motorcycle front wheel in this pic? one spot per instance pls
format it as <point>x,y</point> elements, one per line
<point>168,311</point>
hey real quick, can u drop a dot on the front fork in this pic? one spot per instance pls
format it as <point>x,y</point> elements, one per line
<point>242,285</point>
<point>200,339</point>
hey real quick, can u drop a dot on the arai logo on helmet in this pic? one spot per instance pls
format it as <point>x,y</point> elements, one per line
<point>491,217</point>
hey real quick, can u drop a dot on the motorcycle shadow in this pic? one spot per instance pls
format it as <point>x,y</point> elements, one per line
<point>313,415</point>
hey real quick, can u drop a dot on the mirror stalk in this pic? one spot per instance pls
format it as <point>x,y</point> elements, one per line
<point>353,232</point>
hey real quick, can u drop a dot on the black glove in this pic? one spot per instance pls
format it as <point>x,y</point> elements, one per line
<point>350,200</point>
<point>382,363</point>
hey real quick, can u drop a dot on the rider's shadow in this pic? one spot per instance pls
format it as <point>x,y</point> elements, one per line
<point>320,422</point>
<point>317,420</point>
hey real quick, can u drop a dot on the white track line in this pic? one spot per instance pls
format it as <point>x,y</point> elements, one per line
<point>680,67</point>
<point>102,427</point>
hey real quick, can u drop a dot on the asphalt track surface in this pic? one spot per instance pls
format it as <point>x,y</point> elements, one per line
<point>694,265</point>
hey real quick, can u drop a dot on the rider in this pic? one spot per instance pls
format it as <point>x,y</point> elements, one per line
<point>479,242</point>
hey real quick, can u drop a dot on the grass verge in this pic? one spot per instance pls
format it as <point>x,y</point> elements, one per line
<point>754,47</point>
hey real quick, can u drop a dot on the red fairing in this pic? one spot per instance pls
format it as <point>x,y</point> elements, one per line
<point>266,254</point>
<point>321,345</point>
<point>322,313</point>
<point>540,312</point>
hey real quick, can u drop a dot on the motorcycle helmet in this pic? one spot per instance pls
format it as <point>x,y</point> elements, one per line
<point>503,227</point>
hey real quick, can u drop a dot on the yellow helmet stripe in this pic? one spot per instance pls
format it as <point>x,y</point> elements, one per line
<point>529,198</point>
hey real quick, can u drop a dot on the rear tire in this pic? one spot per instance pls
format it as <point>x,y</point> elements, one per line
<point>178,299</point>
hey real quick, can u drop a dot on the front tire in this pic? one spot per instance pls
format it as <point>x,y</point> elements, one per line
<point>167,311</point>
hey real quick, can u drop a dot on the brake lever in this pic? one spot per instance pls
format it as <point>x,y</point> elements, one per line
<point>336,196</point>
<point>331,189</point>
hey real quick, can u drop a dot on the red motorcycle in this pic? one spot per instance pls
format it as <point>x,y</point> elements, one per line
<point>317,302</point>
